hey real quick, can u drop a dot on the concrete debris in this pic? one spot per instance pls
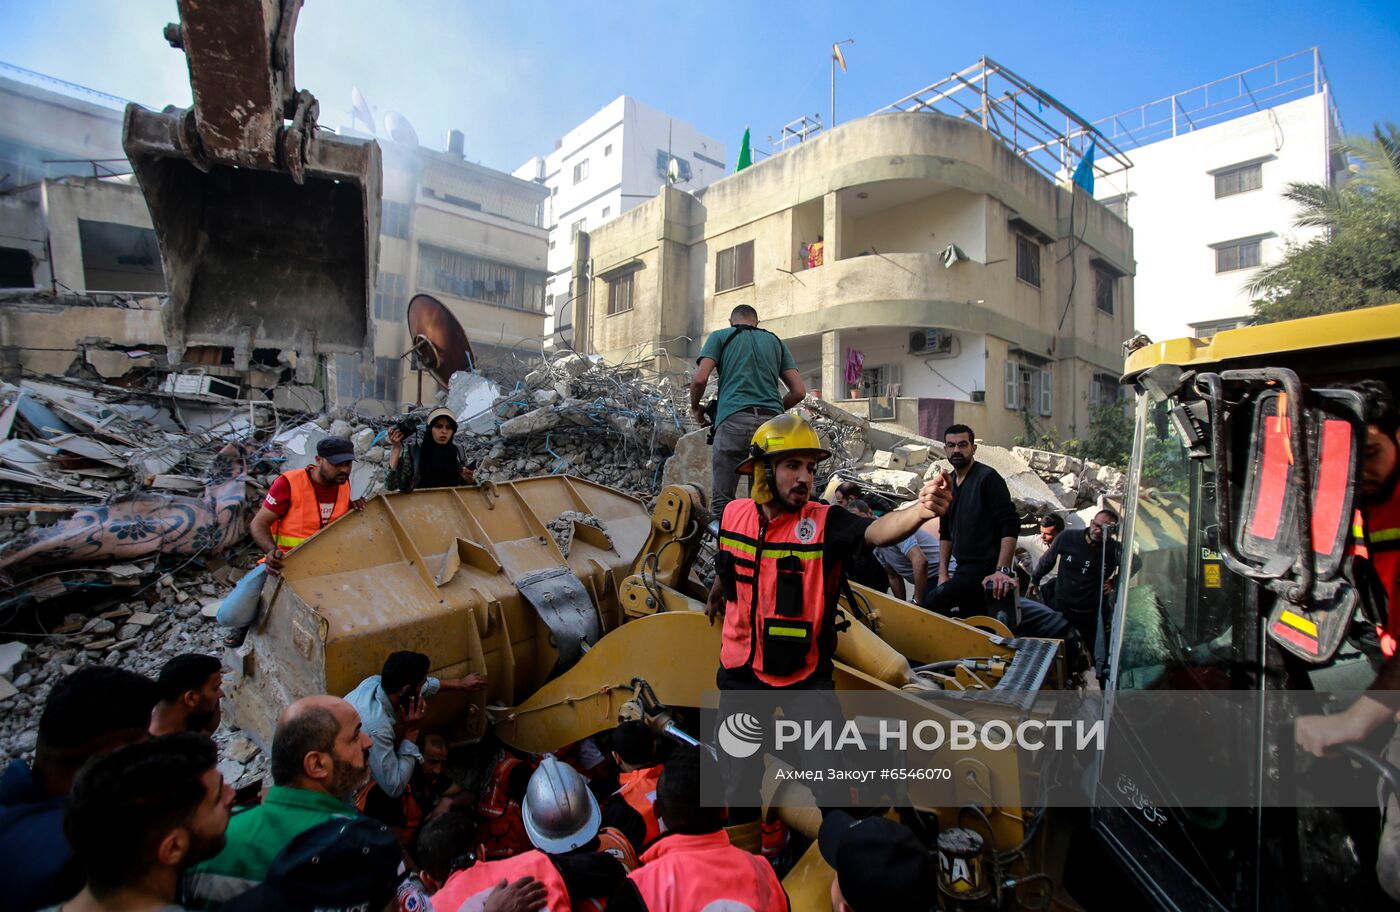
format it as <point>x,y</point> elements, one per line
<point>1077,482</point>
<point>561,528</point>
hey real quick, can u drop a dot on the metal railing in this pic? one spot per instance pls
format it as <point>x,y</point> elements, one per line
<point>1024,117</point>
<point>62,86</point>
<point>1258,88</point>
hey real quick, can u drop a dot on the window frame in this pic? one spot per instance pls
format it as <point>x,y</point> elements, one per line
<point>1026,243</point>
<point>1235,173</point>
<point>616,287</point>
<point>396,217</point>
<point>1102,278</point>
<point>730,264</point>
<point>580,172</point>
<point>1237,246</point>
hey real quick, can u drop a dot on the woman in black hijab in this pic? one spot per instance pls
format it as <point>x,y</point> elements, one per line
<point>433,460</point>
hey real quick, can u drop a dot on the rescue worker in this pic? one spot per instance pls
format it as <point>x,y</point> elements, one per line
<point>632,808</point>
<point>302,502</point>
<point>575,860</point>
<point>1376,537</point>
<point>780,560</point>
<point>299,504</point>
<point>694,865</point>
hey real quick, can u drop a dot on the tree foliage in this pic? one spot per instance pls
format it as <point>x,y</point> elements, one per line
<point>1356,260</point>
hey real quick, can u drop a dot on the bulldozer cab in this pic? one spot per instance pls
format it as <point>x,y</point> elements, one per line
<point>1236,534</point>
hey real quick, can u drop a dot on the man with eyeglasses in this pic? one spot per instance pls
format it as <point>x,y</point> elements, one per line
<point>979,531</point>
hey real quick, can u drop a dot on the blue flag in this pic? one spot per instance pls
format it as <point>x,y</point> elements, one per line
<point>1084,173</point>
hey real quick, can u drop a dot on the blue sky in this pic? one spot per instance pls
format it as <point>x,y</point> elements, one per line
<point>514,76</point>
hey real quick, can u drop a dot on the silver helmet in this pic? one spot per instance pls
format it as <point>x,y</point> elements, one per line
<point>560,812</point>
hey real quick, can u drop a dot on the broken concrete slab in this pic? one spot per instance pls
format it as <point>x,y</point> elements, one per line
<point>885,459</point>
<point>291,397</point>
<point>913,454</point>
<point>690,463</point>
<point>892,479</point>
<point>7,689</point>
<point>10,656</point>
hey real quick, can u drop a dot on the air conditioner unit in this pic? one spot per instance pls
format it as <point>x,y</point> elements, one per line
<point>930,342</point>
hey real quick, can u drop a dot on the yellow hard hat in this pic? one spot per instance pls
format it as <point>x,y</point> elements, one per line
<point>783,434</point>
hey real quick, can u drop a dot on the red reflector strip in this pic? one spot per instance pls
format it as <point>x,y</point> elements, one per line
<point>1302,640</point>
<point>1335,455</point>
<point>1273,480</point>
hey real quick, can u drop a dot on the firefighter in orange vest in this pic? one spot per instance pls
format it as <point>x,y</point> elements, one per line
<point>632,808</point>
<point>693,865</point>
<point>302,502</point>
<point>578,864</point>
<point>779,565</point>
<point>1377,538</point>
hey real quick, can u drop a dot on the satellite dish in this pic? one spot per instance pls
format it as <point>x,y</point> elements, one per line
<point>438,338</point>
<point>360,109</point>
<point>399,129</point>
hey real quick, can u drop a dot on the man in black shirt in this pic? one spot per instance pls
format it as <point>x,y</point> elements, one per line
<point>979,531</point>
<point>1088,567</point>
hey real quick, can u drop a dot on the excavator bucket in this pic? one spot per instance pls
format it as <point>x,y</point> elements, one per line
<point>268,226</point>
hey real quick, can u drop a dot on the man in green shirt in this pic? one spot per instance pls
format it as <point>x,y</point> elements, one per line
<point>319,761</point>
<point>751,362</point>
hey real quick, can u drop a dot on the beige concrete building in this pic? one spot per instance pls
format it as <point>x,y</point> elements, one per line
<point>969,286</point>
<point>470,236</point>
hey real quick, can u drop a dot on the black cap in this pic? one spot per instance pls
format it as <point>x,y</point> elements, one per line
<point>348,863</point>
<point>879,863</point>
<point>335,449</point>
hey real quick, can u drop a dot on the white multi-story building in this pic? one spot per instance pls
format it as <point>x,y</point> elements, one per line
<point>613,161</point>
<point>1205,193</point>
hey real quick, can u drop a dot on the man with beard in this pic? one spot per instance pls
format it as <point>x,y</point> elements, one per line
<point>139,816</point>
<point>779,562</point>
<point>1088,567</point>
<point>433,460</point>
<point>1377,536</point>
<point>191,686</point>
<point>979,533</point>
<point>319,760</point>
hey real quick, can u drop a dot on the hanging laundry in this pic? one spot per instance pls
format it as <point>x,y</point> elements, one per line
<point>855,366</point>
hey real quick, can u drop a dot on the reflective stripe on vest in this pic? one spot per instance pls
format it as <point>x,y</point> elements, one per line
<point>476,882</point>
<point>778,633</point>
<point>684,873</point>
<point>303,518</point>
<point>639,791</point>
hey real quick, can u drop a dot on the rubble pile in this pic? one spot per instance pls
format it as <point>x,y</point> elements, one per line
<point>1077,483</point>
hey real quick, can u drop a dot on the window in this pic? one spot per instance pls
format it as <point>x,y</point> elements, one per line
<point>620,294</point>
<point>551,245</point>
<point>465,276</point>
<point>16,268</point>
<point>390,296</point>
<point>394,220</point>
<point>581,172</point>
<point>1027,260</point>
<point>1241,254</point>
<point>607,211</point>
<point>1104,284</point>
<point>734,267</point>
<point>578,226</point>
<point>663,166</point>
<point>1105,390</point>
<point>1028,388</point>
<point>1239,180</point>
<point>607,150</point>
<point>386,379</point>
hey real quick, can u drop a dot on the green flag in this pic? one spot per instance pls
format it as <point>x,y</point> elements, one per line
<point>745,156</point>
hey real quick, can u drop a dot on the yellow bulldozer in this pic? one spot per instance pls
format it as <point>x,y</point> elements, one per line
<point>606,623</point>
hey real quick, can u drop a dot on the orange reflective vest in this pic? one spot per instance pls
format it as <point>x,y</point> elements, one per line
<point>639,791</point>
<point>684,873</point>
<point>502,832</point>
<point>303,518</point>
<point>477,882</point>
<point>1377,537</point>
<point>775,592</point>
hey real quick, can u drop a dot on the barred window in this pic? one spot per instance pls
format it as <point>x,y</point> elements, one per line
<point>1239,180</point>
<point>1241,254</point>
<point>1027,260</point>
<point>465,276</point>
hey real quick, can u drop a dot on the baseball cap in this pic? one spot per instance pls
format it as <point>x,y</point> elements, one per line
<point>344,864</point>
<point>879,862</point>
<point>335,450</point>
